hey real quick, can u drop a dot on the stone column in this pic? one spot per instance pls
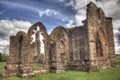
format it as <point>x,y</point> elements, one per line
<point>92,26</point>
<point>59,66</point>
<point>47,56</point>
<point>11,65</point>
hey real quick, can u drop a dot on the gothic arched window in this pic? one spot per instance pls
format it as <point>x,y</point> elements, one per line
<point>99,49</point>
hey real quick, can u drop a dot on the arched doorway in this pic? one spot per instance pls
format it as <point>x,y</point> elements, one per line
<point>39,45</point>
<point>22,50</point>
<point>101,45</point>
<point>60,39</point>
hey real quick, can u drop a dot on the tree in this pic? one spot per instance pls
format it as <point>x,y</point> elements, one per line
<point>0,57</point>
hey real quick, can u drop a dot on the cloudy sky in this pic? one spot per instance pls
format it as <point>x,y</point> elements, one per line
<point>18,15</point>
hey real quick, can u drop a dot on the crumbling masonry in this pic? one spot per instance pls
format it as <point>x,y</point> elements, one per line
<point>89,47</point>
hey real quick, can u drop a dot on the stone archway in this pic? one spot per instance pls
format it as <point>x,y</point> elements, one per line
<point>36,51</point>
<point>60,38</point>
<point>22,41</point>
<point>99,47</point>
<point>101,44</point>
<point>23,47</point>
<point>102,56</point>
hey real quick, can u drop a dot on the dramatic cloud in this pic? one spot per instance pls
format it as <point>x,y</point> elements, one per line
<point>48,12</point>
<point>70,23</point>
<point>11,27</point>
<point>80,7</point>
<point>110,7</point>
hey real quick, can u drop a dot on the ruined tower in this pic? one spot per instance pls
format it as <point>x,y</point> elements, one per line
<point>101,42</point>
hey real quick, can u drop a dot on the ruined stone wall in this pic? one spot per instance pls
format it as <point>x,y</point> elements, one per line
<point>60,52</point>
<point>78,47</point>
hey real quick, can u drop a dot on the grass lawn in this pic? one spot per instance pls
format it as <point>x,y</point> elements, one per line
<point>37,65</point>
<point>108,74</point>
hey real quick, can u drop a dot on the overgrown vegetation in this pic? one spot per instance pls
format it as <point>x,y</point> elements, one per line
<point>108,74</point>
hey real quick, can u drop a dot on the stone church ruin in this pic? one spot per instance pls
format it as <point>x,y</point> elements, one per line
<point>88,48</point>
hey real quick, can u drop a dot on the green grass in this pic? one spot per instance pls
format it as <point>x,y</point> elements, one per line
<point>108,74</point>
<point>37,65</point>
<point>2,64</point>
<point>118,60</point>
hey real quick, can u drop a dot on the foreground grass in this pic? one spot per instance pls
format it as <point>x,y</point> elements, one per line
<point>108,74</point>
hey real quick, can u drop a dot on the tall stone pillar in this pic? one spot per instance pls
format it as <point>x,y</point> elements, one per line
<point>92,26</point>
<point>59,51</point>
<point>47,56</point>
<point>11,65</point>
<point>24,67</point>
